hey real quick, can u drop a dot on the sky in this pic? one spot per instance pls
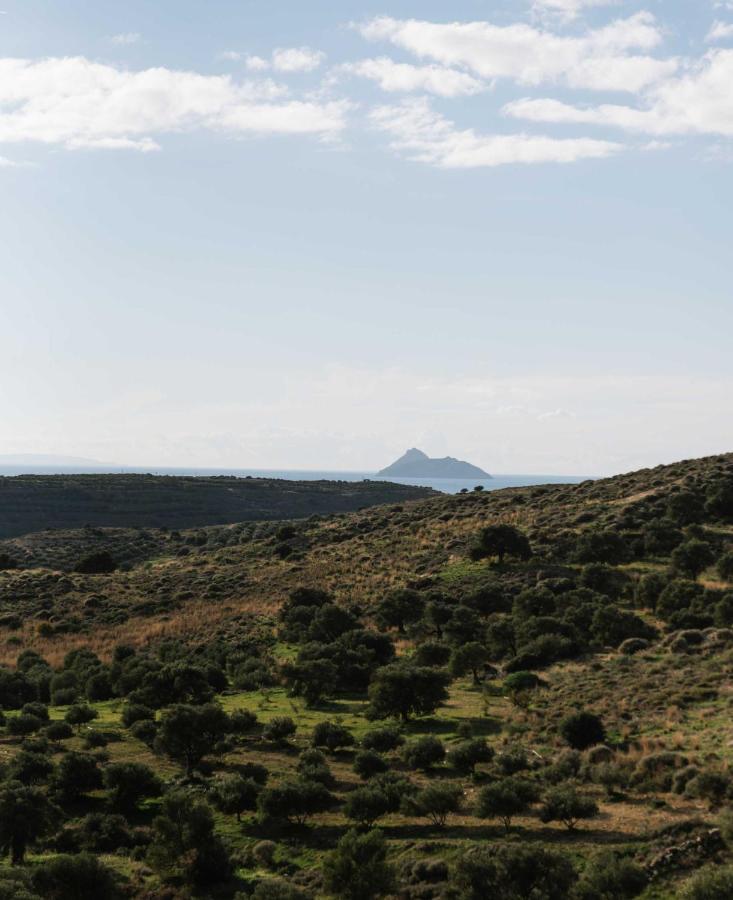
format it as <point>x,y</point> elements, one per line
<point>277,234</point>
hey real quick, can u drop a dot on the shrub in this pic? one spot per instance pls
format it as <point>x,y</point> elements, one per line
<point>58,731</point>
<point>424,753</point>
<point>710,884</point>
<point>464,757</point>
<point>435,802</point>
<point>512,872</point>
<point>294,800</point>
<point>692,557</point>
<point>610,877</point>
<point>583,729</point>
<point>24,724</point>
<point>365,805</point>
<point>188,733</point>
<point>136,712</point>
<point>500,541</point>
<point>234,795</point>
<point>80,714</point>
<point>358,869</point>
<point>505,799</point>
<point>312,766</point>
<point>332,736</point>
<point>367,764</point>
<point>564,804</point>
<point>277,889</point>
<point>101,563</point>
<point>383,739</point>
<point>128,783</point>
<point>71,877</point>
<point>185,845</point>
<point>279,729</point>
<point>402,689</point>
<point>77,774</point>
<point>725,566</point>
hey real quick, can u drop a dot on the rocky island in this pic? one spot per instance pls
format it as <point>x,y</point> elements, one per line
<point>416,464</point>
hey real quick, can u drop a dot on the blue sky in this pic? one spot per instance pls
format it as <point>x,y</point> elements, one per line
<point>310,235</point>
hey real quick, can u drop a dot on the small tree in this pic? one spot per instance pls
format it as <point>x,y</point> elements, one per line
<point>506,799</point>
<point>185,845</point>
<point>77,774</point>
<point>468,658</point>
<point>401,689</point>
<point>464,757</point>
<point>692,557</point>
<point>501,541</point>
<point>399,609</point>
<point>367,764</point>
<point>424,753</point>
<point>435,802</point>
<point>188,733</point>
<point>332,736</point>
<point>101,563</point>
<point>128,783</point>
<point>365,805</point>
<point>513,871</point>
<point>81,875</point>
<point>294,801</point>
<point>564,804</point>
<point>26,815</point>
<point>279,729</point>
<point>234,795</point>
<point>80,714</point>
<point>582,730</point>
<point>383,739</point>
<point>358,869</point>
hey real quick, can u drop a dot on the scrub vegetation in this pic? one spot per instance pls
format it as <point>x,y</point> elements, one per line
<point>511,694</point>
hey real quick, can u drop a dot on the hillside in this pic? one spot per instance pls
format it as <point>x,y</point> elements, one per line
<point>613,598</point>
<point>31,502</point>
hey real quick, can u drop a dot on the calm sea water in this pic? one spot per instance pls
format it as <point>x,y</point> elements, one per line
<point>446,485</point>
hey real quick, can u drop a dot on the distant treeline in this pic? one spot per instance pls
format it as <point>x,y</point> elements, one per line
<point>34,502</point>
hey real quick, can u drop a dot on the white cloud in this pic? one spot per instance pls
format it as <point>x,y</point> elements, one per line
<point>284,59</point>
<point>125,39</point>
<point>700,101</point>
<point>256,64</point>
<point>426,136</point>
<point>6,163</point>
<point>600,59</point>
<point>719,31</point>
<point>569,9</point>
<point>79,103</point>
<point>297,59</point>
<point>230,55</point>
<point>402,77</point>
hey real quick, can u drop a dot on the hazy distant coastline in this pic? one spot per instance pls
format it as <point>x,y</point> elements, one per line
<point>445,485</point>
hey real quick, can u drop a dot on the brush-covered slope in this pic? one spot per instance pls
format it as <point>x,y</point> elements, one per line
<point>31,502</point>
<point>448,643</point>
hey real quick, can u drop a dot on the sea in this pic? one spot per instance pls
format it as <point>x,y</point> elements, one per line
<point>446,485</point>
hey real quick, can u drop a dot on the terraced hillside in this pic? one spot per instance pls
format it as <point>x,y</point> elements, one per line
<point>519,693</point>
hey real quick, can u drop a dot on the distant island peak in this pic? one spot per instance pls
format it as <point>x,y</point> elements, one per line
<point>417,464</point>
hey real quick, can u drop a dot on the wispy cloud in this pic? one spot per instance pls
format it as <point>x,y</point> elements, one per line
<point>601,59</point>
<point>698,102</point>
<point>78,103</point>
<point>426,136</point>
<point>720,31</point>
<point>397,77</point>
<point>287,60</point>
<point>126,38</point>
